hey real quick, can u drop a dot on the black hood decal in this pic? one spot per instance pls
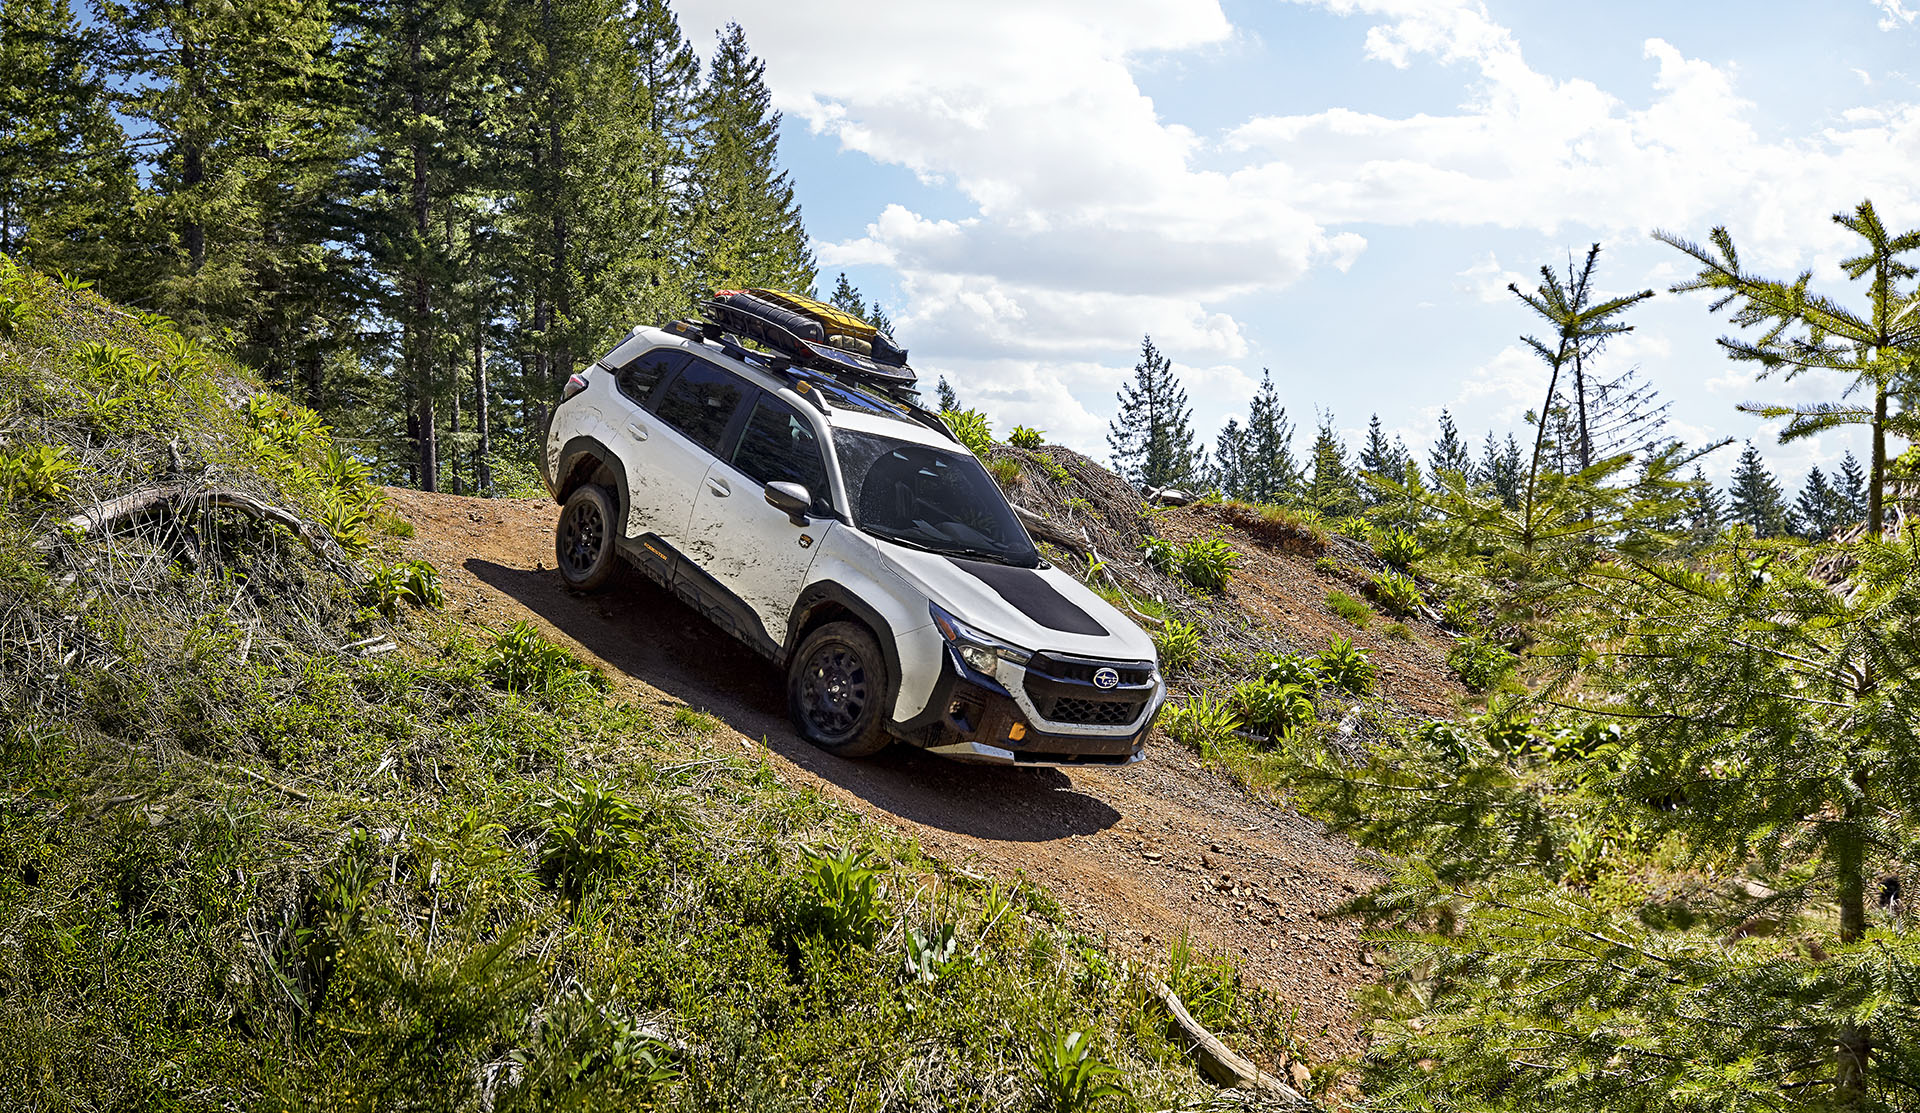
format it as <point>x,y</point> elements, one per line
<point>1030,594</point>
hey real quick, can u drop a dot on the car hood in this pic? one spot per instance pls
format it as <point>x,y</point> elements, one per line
<point>1034,608</point>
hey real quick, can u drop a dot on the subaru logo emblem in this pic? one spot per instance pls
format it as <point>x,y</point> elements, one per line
<point>1105,678</point>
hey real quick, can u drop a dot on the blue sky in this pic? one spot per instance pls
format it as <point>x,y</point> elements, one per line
<point>1336,190</point>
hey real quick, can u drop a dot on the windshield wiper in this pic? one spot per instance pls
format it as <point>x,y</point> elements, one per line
<point>942,548</point>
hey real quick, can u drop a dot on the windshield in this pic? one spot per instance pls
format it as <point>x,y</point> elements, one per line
<point>930,498</point>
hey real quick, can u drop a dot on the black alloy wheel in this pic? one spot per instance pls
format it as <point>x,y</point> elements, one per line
<point>837,689</point>
<point>583,542</point>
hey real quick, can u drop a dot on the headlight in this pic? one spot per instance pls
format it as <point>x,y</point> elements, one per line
<point>982,652</point>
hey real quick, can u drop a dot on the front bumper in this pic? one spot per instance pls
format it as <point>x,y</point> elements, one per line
<point>969,717</point>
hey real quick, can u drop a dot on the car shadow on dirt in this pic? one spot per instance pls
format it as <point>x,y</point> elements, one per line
<point>647,633</point>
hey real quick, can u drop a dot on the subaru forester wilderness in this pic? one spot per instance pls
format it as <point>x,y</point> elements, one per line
<point>803,502</point>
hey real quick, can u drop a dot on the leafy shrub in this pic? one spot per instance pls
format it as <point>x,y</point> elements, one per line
<point>1349,608</point>
<point>589,836</point>
<point>514,478</point>
<point>1285,668</point>
<point>1480,663</point>
<point>1275,710</point>
<point>584,1047</point>
<point>844,890</point>
<point>1005,472</point>
<point>1356,528</point>
<point>1072,1077</point>
<point>1398,631</point>
<point>520,661</point>
<point>38,473</point>
<point>14,315</point>
<point>1345,667</point>
<point>1162,554</point>
<point>1207,562</point>
<point>1178,643</point>
<point>1396,593</point>
<point>929,953</point>
<point>1201,722</point>
<point>1460,613</point>
<point>1023,437</point>
<point>1397,547</point>
<point>1452,740</point>
<point>415,582</point>
<point>972,429</point>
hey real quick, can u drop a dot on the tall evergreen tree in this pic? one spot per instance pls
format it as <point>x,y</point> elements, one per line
<point>1501,469</point>
<point>747,224</point>
<point>1754,497</point>
<point>1332,488</point>
<point>1803,331</point>
<point>666,87</point>
<point>1228,474</point>
<point>1150,438</point>
<point>1272,475</point>
<point>1820,510</point>
<point>1381,457</point>
<point>66,176</point>
<point>1851,486</point>
<point>846,296</point>
<point>949,400</point>
<point>1707,508</point>
<point>1449,452</point>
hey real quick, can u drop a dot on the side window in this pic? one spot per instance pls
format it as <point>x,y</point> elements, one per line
<point>780,447</point>
<point>643,373</point>
<point>700,401</point>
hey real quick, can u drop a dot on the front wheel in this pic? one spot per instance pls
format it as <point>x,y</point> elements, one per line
<point>837,690</point>
<point>583,542</point>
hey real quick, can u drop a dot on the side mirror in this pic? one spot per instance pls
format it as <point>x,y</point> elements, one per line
<point>790,499</point>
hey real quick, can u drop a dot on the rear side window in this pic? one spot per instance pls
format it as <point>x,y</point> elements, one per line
<point>700,402</point>
<point>643,373</point>
<point>780,447</point>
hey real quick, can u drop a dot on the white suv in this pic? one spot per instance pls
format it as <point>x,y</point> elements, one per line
<point>843,533</point>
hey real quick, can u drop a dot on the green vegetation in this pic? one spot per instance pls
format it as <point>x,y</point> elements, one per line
<point>278,834</point>
<point>972,429</point>
<point>1023,437</point>
<point>1349,608</point>
<point>1178,644</point>
<point>1397,593</point>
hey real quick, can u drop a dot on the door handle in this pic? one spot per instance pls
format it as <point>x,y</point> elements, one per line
<point>719,487</point>
<point>637,431</point>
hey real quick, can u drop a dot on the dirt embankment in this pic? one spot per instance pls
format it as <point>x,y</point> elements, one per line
<point>1135,855</point>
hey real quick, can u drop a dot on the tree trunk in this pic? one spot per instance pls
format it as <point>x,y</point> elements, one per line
<point>1539,437</point>
<point>418,342</point>
<point>1877,479</point>
<point>483,447</point>
<point>1853,1044</point>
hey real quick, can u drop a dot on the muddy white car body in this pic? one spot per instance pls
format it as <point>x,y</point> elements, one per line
<point>848,538</point>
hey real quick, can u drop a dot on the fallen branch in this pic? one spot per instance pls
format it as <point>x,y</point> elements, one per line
<point>1045,530</point>
<point>102,515</point>
<point>1218,1061</point>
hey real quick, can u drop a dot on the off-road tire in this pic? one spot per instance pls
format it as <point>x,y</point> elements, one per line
<point>838,690</point>
<point>584,548</point>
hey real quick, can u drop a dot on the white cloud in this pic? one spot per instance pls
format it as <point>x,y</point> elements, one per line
<point>1488,280</point>
<point>1894,14</point>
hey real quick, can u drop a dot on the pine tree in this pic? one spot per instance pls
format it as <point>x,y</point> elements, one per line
<point>1754,497</point>
<point>666,87</point>
<point>1851,487</point>
<point>1332,489</point>
<point>66,176</point>
<point>1449,453</point>
<point>949,400</point>
<point>877,317</point>
<point>1707,509</point>
<point>1819,509</point>
<point>1381,458</point>
<point>1501,469</point>
<point>747,224</point>
<point>1804,331</point>
<point>846,296</point>
<point>1229,472</point>
<point>1150,438</point>
<point>1272,475</point>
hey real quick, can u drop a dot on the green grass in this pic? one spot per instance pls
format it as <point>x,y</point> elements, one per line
<point>1349,608</point>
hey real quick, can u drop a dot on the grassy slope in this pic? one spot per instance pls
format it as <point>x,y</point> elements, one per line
<point>243,863</point>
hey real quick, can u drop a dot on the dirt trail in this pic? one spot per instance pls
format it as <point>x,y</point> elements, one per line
<point>1134,854</point>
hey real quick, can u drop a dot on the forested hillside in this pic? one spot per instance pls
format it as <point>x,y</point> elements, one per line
<point>415,218</point>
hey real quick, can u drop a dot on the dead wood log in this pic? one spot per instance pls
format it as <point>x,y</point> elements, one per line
<point>1218,1061</point>
<point>103,515</point>
<point>1045,530</point>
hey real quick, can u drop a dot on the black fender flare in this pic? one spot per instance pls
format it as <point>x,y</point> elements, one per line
<point>589,447</point>
<point>829,595</point>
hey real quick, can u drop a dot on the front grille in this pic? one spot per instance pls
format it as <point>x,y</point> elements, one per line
<point>1092,712</point>
<point>1080,670</point>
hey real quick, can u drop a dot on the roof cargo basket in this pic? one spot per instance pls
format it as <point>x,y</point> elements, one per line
<point>814,335</point>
